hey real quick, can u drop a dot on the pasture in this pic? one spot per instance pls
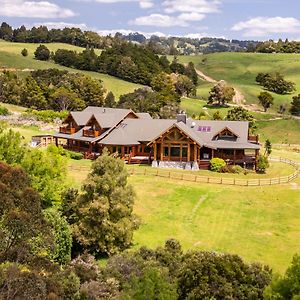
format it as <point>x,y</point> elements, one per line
<point>257,223</point>
<point>11,58</point>
<point>240,70</point>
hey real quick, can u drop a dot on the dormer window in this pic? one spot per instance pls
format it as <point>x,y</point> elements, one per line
<point>225,134</point>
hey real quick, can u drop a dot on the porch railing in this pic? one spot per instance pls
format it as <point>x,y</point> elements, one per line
<point>67,130</point>
<point>91,133</point>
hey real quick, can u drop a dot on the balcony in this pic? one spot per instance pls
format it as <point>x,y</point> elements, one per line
<point>91,133</point>
<point>67,130</point>
<point>253,139</point>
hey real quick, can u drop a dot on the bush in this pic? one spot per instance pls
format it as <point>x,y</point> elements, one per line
<point>71,154</point>
<point>262,164</point>
<point>42,53</point>
<point>232,169</point>
<point>4,111</point>
<point>216,164</point>
<point>24,52</point>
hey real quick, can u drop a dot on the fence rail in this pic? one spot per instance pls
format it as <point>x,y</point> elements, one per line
<point>164,173</point>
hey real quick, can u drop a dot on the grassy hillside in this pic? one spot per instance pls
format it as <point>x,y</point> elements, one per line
<point>10,57</point>
<point>240,70</point>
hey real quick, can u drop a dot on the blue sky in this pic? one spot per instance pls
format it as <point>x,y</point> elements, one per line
<point>240,19</point>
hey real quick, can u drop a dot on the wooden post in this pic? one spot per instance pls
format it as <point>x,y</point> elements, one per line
<point>180,152</point>
<point>195,152</point>
<point>123,151</point>
<point>234,156</point>
<point>213,153</point>
<point>189,152</point>
<point>161,151</point>
<point>155,151</point>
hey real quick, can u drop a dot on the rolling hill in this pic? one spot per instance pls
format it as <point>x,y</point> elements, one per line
<point>11,58</point>
<point>240,70</point>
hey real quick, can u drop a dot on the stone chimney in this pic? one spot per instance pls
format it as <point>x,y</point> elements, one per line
<point>181,118</point>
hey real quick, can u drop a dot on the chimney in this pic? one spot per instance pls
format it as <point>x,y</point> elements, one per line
<point>181,118</point>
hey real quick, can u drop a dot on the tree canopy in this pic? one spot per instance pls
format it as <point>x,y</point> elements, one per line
<point>103,222</point>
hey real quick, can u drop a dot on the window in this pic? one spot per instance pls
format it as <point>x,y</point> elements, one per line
<point>184,152</point>
<point>175,151</point>
<point>166,151</point>
<point>147,149</point>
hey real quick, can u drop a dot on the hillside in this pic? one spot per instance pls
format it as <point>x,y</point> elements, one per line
<point>11,58</point>
<point>240,70</point>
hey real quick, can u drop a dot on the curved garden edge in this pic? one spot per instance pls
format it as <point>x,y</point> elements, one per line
<point>222,180</point>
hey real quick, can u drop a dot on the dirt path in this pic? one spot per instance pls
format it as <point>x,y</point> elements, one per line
<point>238,98</point>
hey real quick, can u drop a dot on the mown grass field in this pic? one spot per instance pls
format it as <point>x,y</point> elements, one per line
<point>257,223</point>
<point>240,70</point>
<point>10,57</point>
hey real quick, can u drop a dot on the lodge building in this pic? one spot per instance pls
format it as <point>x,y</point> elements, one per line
<point>137,138</point>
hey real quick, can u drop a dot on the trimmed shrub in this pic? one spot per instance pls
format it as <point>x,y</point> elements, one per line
<point>232,169</point>
<point>216,164</point>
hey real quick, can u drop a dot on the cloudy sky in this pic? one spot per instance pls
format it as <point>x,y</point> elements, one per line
<point>240,19</point>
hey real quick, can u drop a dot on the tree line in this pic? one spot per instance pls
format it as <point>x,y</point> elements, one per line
<point>124,60</point>
<point>277,47</point>
<point>50,243</point>
<point>41,34</point>
<point>51,89</point>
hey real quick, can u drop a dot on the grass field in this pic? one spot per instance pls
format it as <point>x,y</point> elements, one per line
<point>10,57</point>
<point>240,70</point>
<point>257,223</point>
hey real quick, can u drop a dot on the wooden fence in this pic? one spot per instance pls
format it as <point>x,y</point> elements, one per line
<point>184,176</point>
<point>220,180</point>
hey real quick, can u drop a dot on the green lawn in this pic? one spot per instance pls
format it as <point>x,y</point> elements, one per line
<point>10,57</point>
<point>259,224</point>
<point>240,70</point>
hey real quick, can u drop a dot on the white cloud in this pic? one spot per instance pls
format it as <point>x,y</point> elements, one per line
<point>263,26</point>
<point>146,4</point>
<point>159,20</point>
<point>190,17</point>
<point>196,6</point>
<point>143,3</point>
<point>33,9</point>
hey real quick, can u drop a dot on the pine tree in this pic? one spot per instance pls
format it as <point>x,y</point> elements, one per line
<point>110,100</point>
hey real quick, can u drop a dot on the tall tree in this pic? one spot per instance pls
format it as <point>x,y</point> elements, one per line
<point>22,219</point>
<point>65,99</point>
<point>104,221</point>
<point>295,106</point>
<point>110,100</point>
<point>266,100</point>
<point>33,95</point>
<point>221,93</point>
<point>241,114</point>
<point>191,72</point>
